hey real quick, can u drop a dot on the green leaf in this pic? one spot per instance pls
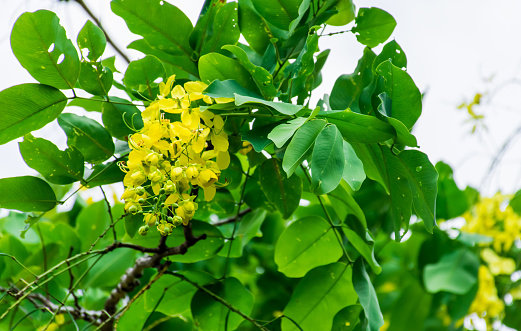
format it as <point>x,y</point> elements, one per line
<point>95,78</point>
<point>91,41</point>
<point>103,174</point>
<point>141,74</point>
<point>348,88</point>
<point>319,296</point>
<point>258,136</point>
<point>301,246</point>
<point>93,104</point>
<point>254,27</point>
<point>109,269</point>
<point>26,194</point>
<point>346,13</point>
<point>212,315</point>
<point>154,21</point>
<point>302,10</point>
<point>403,135</point>
<point>283,132</point>
<point>373,26</point>
<point>233,174</point>
<point>353,173</point>
<point>260,76</point>
<point>174,287</point>
<point>360,237</point>
<point>406,97</point>
<point>132,224</point>
<point>203,249</point>
<point>280,190</point>
<point>119,117</point>
<point>249,228</point>
<point>365,290</point>
<point>455,272</point>
<point>28,107</point>
<point>180,65</point>
<point>299,71</point>
<point>347,319</point>
<point>91,222</point>
<point>88,136</point>
<point>41,46</point>
<point>359,128</point>
<point>301,145</point>
<point>110,63</point>
<point>327,161</point>
<point>224,30</point>
<point>423,179</point>
<point>343,195</point>
<point>411,309</point>
<point>227,89</point>
<point>215,66</point>
<point>280,13</point>
<point>58,167</point>
<point>393,52</point>
<point>281,107</point>
<point>451,202</point>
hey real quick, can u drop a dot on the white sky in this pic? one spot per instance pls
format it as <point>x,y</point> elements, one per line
<point>453,47</point>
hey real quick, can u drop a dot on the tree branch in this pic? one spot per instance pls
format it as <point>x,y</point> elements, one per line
<point>233,218</point>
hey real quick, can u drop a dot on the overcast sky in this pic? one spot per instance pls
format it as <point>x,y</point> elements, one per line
<point>455,48</point>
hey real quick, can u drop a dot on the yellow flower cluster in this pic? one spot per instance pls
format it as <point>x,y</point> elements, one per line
<point>170,159</point>
<point>498,265</point>
<point>490,219</point>
<point>486,303</point>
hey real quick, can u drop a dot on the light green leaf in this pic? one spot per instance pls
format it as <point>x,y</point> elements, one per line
<point>347,319</point>
<point>58,167</point>
<point>393,52</point>
<point>319,296</point>
<point>26,193</point>
<point>91,41</point>
<point>406,97</point>
<point>302,9</point>
<point>212,315</point>
<point>88,136</point>
<point>373,26</point>
<point>423,179</point>
<point>281,107</point>
<point>346,13</point>
<point>28,107</point>
<point>301,246</point>
<point>403,134</point>
<point>283,132</point>
<point>261,76</point>
<point>359,128</point>
<point>95,78</point>
<point>93,104</point>
<point>41,46</point>
<point>141,74</point>
<point>365,290</point>
<point>103,174</point>
<point>301,145</point>
<point>227,89</point>
<point>451,202</point>
<point>280,13</point>
<point>280,190</point>
<point>455,272</point>
<point>215,66</point>
<point>109,269</point>
<point>249,228</point>
<point>411,309</point>
<point>327,161</point>
<point>119,117</point>
<point>353,173</point>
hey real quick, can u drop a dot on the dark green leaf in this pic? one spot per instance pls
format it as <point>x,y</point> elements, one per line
<point>403,135</point>
<point>28,107</point>
<point>91,41</point>
<point>214,66</point>
<point>360,237</point>
<point>298,71</point>
<point>253,27</point>
<point>95,78</point>
<point>141,74</point>
<point>132,224</point>
<point>212,315</point>
<point>233,174</point>
<point>92,140</point>
<point>455,272</point>
<point>347,319</point>
<point>365,290</point>
<point>423,179</point>
<point>249,228</point>
<point>280,190</point>
<point>393,52</point>
<point>109,269</point>
<point>373,26</point>
<point>281,107</point>
<point>121,118</point>
<point>204,249</point>
<point>260,76</point>
<point>283,132</point>
<point>41,46</point>
<point>301,145</point>
<point>58,167</point>
<point>406,97</point>
<point>104,174</point>
<point>93,104</point>
<point>327,161</point>
<point>359,128</point>
<point>280,13</point>
<point>343,195</point>
<point>353,173</point>
<point>224,31</point>
<point>301,246</point>
<point>26,194</point>
<point>258,136</point>
<point>451,201</point>
<point>228,89</point>
<point>411,309</point>
<point>319,296</point>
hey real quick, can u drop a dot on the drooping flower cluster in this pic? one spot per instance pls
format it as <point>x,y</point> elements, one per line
<point>487,304</point>
<point>490,219</point>
<point>169,159</point>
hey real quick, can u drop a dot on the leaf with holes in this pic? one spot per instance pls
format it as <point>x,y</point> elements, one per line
<point>373,26</point>
<point>95,78</point>
<point>41,46</point>
<point>87,135</point>
<point>91,41</point>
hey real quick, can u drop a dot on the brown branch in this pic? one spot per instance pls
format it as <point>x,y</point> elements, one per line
<point>233,218</point>
<point>98,23</point>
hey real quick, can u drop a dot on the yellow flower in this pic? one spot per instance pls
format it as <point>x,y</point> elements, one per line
<point>498,265</point>
<point>164,89</point>
<point>486,303</point>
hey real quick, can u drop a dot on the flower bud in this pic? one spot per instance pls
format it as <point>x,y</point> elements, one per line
<point>176,173</point>
<point>151,159</point>
<point>143,230</point>
<point>140,190</point>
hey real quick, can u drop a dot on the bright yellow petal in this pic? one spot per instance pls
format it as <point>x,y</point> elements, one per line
<point>223,160</point>
<point>209,192</point>
<point>178,92</point>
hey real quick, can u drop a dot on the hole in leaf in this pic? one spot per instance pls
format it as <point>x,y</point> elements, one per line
<point>51,48</point>
<point>161,2</point>
<point>158,80</point>
<point>61,58</point>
